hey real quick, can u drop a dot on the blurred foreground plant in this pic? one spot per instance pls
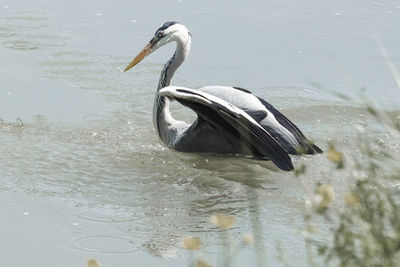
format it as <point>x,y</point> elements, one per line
<point>366,228</point>
<point>93,263</point>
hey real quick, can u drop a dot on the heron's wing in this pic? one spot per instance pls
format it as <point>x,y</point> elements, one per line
<point>278,125</point>
<point>209,108</point>
<point>306,145</point>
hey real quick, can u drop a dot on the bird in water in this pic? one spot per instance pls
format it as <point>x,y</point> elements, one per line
<point>230,120</point>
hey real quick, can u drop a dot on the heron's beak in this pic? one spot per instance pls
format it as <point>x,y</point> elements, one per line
<point>146,51</point>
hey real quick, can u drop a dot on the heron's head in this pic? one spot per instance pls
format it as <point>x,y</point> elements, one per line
<point>168,32</point>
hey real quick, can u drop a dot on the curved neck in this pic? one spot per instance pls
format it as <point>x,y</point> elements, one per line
<point>181,52</point>
<point>162,118</point>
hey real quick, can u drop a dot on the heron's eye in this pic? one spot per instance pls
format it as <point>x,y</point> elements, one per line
<point>160,34</point>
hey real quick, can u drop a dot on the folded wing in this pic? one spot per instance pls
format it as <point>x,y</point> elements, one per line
<point>219,121</point>
<point>286,133</point>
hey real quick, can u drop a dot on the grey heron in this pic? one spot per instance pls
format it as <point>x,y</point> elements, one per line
<point>230,120</point>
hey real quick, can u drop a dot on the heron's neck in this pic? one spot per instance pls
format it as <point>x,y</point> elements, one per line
<point>181,52</point>
<point>162,118</point>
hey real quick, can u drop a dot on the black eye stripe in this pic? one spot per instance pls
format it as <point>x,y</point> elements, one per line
<point>167,25</point>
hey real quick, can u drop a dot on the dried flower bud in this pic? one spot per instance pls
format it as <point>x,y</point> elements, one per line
<point>336,157</point>
<point>351,199</point>
<point>222,220</point>
<point>201,263</point>
<point>191,243</point>
<point>325,195</point>
<point>248,239</point>
<point>93,263</point>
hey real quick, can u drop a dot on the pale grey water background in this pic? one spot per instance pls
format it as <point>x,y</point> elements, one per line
<point>82,172</point>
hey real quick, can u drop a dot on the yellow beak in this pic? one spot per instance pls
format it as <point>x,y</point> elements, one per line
<point>146,51</point>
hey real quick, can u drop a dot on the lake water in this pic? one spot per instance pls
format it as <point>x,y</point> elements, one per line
<point>82,172</point>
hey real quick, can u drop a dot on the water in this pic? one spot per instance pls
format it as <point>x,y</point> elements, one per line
<point>82,172</point>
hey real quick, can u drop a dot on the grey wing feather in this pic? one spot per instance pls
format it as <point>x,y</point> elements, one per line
<point>306,145</point>
<point>248,129</point>
<point>279,126</point>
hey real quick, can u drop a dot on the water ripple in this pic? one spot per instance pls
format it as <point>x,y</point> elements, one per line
<point>27,31</point>
<point>104,244</point>
<point>6,31</point>
<point>20,45</point>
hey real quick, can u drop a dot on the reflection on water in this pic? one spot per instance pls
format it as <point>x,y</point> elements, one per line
<point>85,141</point>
